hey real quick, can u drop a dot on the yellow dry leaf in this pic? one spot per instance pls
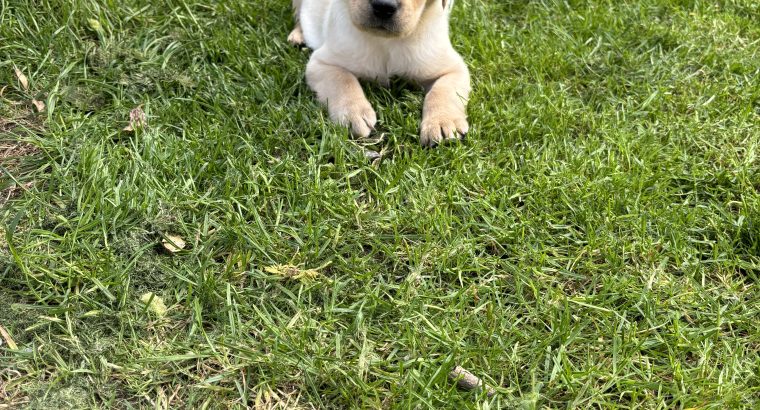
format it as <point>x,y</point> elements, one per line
<point>292,272</point>
<point>173,243</point>
<point>22,79</point>
<point>155,304</point>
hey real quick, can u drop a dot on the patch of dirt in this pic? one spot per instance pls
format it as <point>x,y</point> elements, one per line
<point>11,399</point>
<point>15,116</point>
<point>11,155</point>
<point>13,151</point>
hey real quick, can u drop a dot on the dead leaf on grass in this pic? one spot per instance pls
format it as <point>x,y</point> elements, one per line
<point>292,272</point>
<point>173,243</point>
<point>137,119</point>
<point>39,105</point>
<point>22,79</point>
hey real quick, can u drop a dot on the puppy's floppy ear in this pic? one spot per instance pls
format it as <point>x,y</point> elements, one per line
<point>444,4</point>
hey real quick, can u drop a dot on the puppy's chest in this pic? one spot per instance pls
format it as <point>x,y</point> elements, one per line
<point>380,62</point>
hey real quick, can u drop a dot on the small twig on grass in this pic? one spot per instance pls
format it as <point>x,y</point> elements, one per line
<point>468,381</point>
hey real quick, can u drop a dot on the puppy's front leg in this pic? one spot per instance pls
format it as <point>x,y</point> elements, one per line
<point>340,90</point>
<point>444,115</point>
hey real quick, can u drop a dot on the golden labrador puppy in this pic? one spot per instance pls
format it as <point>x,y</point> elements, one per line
<point>376,40</point>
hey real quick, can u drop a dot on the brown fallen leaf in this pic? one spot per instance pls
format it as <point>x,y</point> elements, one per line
<point>8,338</point>
<point>173,243</point>
<point>468,381</point>
<point>39,105</point>
<point>137,119</point>
<point>22,79</point>
<point>292,272</point>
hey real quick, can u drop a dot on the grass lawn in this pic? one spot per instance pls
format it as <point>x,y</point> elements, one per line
<point>595,243</point>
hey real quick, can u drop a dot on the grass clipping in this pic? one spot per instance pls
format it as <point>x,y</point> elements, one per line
<point>292,272</point>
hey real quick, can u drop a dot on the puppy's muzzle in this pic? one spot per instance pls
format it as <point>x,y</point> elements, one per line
<point>384,10</point>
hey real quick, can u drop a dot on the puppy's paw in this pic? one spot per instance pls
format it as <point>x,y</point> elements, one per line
<point>296,36</point>
<point>359,116</point>
<point>439,128</point>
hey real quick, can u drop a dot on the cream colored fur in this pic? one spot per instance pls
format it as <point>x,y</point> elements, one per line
<point>344,52</point>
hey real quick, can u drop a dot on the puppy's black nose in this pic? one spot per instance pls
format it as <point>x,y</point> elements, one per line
<point>384,9</point>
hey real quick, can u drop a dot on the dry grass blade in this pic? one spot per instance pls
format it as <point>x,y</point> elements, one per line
<point>22,79</point>
<point>8,339</point>
<point>269,399</point>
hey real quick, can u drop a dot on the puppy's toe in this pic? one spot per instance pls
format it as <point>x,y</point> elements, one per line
<point>462,126</point>
<point>360,117</point>
<point>436,131</point>
<point>363,122</point>
<point>430,135</point>
<point>296,37</point>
